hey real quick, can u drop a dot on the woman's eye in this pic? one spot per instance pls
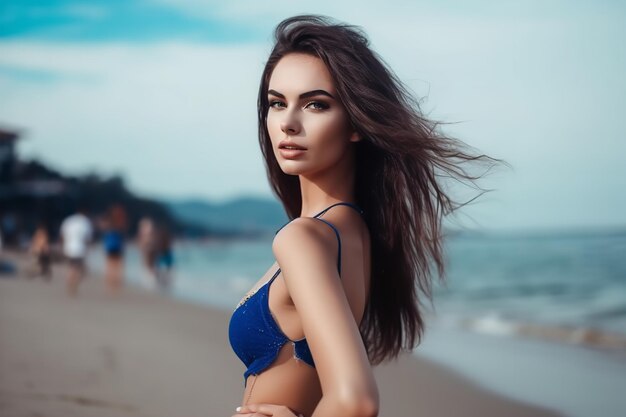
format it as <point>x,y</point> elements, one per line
<point>317,105</point>
<point>277,104</point>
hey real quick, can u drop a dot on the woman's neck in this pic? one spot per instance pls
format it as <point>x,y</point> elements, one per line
<point>322,191</point>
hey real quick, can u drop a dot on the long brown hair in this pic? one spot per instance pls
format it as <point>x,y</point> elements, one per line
<point>402,160</point>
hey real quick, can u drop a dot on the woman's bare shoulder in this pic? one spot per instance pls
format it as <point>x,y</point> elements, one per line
<point>302,233</point>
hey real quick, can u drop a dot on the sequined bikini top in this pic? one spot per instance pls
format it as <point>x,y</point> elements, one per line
<point>254,334</point>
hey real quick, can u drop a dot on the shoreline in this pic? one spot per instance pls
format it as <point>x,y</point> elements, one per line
<point>143,354</point>
<point>574,380</point>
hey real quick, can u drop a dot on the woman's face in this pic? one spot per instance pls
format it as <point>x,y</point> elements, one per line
<point>308,126</point>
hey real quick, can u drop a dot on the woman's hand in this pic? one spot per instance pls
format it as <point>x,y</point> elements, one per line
<point>265,410</point>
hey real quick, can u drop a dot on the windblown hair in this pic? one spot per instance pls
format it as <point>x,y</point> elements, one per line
<point>400,163</point>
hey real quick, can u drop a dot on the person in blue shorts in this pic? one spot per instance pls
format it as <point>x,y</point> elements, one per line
<point>113,245</point>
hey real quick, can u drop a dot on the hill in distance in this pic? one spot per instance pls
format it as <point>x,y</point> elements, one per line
<point>246,216</point>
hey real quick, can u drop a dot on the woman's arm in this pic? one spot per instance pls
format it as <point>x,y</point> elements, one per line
<point>306,250</point>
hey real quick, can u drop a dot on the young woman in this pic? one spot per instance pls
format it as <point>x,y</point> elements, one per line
<point>358,170</point>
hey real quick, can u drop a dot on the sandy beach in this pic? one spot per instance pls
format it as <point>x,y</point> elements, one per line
<point>143,354</point>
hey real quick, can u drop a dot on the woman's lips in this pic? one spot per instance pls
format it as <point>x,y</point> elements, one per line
<point>290,150</point>
<point>291,153</point>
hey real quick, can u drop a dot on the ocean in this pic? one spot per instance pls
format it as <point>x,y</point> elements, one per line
<point>569,286</point>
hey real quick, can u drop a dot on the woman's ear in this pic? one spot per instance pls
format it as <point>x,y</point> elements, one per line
<point>355,137</point>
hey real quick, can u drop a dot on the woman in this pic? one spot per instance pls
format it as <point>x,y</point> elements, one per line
<point>357,168</point>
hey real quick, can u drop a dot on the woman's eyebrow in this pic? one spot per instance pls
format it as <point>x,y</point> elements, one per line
<point>308,94</point>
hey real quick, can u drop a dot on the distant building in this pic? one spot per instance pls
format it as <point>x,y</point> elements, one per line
<point>19,179</point>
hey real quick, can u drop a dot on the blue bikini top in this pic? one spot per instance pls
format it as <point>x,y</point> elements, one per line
<point>254,334</point>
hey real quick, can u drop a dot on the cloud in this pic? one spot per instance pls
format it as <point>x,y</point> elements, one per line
<point>174,118</point>
<point>546,93</point>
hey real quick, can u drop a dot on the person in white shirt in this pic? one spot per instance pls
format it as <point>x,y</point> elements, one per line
<point>76,233</point>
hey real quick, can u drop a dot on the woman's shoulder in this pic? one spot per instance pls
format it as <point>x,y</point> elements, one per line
<point>302,232</point>
<point>342,221</point>
<point>306,233</point>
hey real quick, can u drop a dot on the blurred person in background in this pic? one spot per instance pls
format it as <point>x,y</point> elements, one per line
<point>358,169</point>
<point>40,250</point>
<point>147,241</point>
<point>76,233</point>
<point>6,267</point>
<point>115,225</point>
<point>155,243</point>
<point>164,260</point>
<point>9,228</point>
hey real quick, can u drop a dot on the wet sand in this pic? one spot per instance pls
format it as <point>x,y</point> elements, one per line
<point>142,354</point>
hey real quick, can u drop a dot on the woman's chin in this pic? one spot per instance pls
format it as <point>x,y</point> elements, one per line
<point>291,172</point>
<point>291,169</point>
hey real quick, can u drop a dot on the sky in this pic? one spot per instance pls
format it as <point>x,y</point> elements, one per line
<point>163,93</point>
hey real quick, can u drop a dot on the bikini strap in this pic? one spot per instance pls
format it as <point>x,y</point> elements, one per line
<point>341,203</point>
<point>269,281</point>
<point>338,242</point>
<point>321,213</point>
<point>332,226</point>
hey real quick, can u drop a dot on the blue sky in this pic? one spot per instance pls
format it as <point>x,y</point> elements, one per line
<point>163,92</point>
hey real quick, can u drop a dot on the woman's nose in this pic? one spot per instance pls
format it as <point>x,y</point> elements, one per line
<point>290,126</point>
